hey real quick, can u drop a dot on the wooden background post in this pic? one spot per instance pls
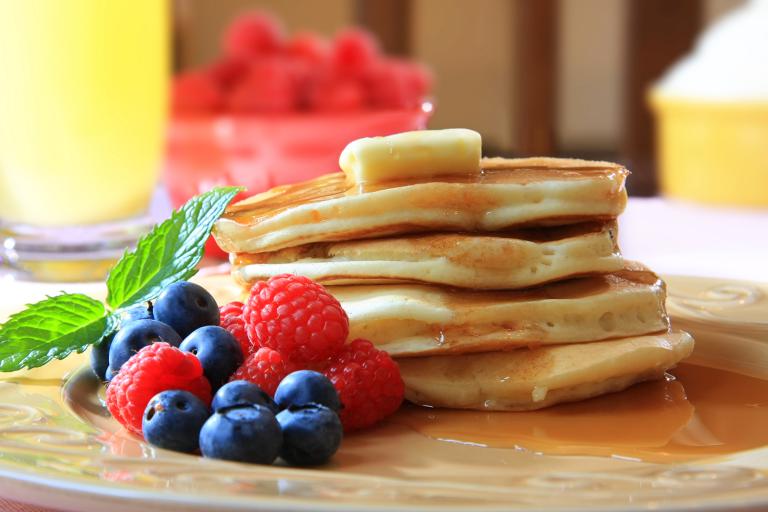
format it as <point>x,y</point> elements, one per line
<point>658,33</point>
<point>535,27</point>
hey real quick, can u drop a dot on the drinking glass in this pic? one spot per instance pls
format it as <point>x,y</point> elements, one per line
<point>83,101</point>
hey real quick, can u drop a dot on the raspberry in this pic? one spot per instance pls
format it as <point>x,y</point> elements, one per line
<point>265,368</point>
<point>305,77</point>
<point>154,368</point>
<point>337,95</point>
<point>368,382</point>
<point>196,93</point>
<point>354,52</point>
<point>297,317</point>
<point>227,71</point>
<point>309,47</point>
<point>253,35</point>
<point>231,318</point>
<point>269,86</point>
<point>391,85</point>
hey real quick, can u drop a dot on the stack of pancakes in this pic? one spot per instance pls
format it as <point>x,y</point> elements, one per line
<point>500,290</point>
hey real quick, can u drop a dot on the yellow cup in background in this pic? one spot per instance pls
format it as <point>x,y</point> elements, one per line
<point>712,152</point>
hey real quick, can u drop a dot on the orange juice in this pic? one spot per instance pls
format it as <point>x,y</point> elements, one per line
<point>82,108</point>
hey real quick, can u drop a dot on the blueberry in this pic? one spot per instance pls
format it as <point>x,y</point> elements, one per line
<point>311,434</point>
<point>242,392</point>
<point>141,311</point>
<point>173,419</point>
<point>186,306</point>
<point>218,351</point>
<point>100,356</point>
<point>244,433</point>
<point>100,350</point>
<point>135,336</point>
<point>306,387</point>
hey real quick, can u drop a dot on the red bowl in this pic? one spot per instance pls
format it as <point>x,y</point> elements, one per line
<point>260,152</point>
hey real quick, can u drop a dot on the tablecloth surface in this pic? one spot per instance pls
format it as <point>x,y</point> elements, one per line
<point>674,237</point>
<point>668,236</point>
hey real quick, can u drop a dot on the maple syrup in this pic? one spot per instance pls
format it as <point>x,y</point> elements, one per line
<point>697,412</point>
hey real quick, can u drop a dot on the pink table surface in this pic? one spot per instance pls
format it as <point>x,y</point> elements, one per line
<point>668,236</point>
<point>15,506</point>
<point>674,237</point>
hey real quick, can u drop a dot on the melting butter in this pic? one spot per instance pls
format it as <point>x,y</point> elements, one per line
<point>418,154</point>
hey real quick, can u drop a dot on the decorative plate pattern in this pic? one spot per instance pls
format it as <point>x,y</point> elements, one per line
<point>728,318</point>
<point>60,448</point>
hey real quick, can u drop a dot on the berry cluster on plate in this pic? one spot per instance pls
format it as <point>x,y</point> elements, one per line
<point>261,70</point>
<point>248,382</point>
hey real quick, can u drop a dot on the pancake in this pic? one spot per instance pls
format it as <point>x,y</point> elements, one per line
<point>524,380</point>
<point>507,194</point>
<point>499,261</point>
<point>415,320</point>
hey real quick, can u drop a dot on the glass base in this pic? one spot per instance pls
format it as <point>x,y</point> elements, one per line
<point>67,253</point>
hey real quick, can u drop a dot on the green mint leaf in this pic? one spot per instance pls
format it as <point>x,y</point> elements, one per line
<point>168,253</point>
<point>52,328</point>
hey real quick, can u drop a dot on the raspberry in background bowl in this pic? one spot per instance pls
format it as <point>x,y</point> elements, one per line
<point>274,109</point>
<point>260,152</point>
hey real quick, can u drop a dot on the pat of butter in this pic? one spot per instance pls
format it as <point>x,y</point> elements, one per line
<point>419,154</point>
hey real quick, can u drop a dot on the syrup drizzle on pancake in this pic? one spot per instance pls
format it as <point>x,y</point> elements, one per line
<point>335,185</point>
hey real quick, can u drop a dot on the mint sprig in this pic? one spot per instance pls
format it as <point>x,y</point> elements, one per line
<point>52,328</point>
<point>59,325</point>
<point>169,253</point>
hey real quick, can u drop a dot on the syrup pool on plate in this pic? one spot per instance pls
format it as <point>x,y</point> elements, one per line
<point>697,412</point>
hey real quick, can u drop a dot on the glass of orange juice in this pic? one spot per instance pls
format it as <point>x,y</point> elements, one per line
<point>83,87</point>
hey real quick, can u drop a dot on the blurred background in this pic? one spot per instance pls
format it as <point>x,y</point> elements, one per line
<point>102,101</point>
<point>541,77</point>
